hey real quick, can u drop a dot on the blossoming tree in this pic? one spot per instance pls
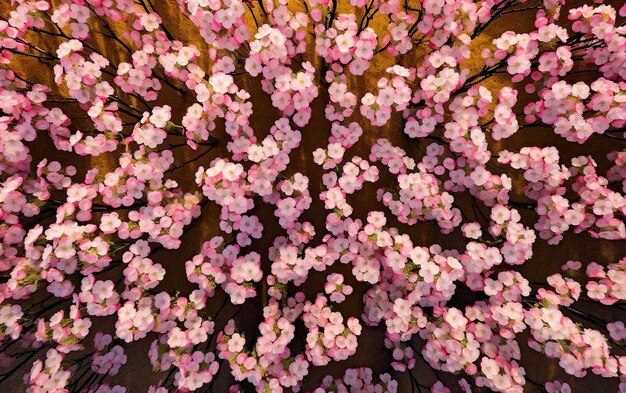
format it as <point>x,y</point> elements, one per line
<point>251,195</point>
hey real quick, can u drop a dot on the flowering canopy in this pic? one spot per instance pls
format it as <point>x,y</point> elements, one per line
<point>120,130</point>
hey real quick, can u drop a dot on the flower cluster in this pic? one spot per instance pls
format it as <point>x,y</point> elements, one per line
<point>606,285</point>
<point>128,138</point>
<point>219,263</point>
<point>359,379</point>
<point>328,338</point>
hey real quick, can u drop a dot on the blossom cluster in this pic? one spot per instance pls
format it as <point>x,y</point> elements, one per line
<point>403,191</point>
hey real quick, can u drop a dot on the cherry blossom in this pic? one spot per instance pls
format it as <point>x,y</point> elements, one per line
<point>252,190</point>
